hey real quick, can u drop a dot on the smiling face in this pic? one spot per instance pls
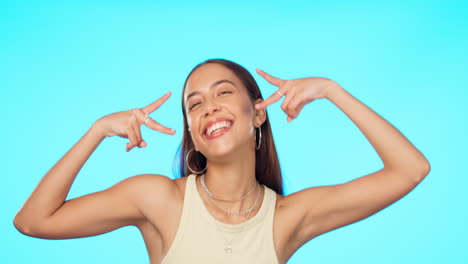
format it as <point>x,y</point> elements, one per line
<point>220,113</point>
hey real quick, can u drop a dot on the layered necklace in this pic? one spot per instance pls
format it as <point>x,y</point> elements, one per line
<point>228,243</point>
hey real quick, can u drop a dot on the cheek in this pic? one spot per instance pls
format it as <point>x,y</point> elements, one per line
<point>246,105</point>
<point>248,112</point>
<point>251,129</point>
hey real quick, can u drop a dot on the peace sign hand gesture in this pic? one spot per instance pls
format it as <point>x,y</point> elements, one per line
<point>297,92</point>
<point>127,124</point>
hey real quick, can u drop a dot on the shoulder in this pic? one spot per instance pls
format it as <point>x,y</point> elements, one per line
<point>151,191</point>
<point>139,184</point>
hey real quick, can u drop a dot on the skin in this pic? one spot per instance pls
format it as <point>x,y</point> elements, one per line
<point>153,203</point>
<point>233,154</point>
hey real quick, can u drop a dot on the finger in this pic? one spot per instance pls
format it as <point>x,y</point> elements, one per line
<point>282,91</point>
<point>158,127</point>
<point>132,137</point>
<point>298,110</point>
<point>152,124</point>
<point>275,97</point>
<point>156,104</point>
<point>292,107</point>
<point>140,116</point>
<point>142,144</point>
<point>273,80</point>
<point>291,94</point>
<point>137,131</point>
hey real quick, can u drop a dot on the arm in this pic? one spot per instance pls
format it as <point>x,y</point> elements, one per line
<point>395,151</point>
<point>331,207</point>
<point>318,210</point>
<point>47,214</point>
<point>53,188</point>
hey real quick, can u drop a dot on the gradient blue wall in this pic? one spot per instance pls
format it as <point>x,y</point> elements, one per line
<point>63,66</point>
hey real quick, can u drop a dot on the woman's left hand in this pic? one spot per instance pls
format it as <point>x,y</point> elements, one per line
<point>297,92</point>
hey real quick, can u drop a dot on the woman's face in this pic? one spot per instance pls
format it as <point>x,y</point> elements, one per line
<point>220,115</point>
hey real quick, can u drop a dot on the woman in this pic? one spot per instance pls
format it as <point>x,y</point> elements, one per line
<point>230,208</point>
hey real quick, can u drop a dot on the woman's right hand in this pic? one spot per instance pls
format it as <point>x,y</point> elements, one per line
<point>127,124</point>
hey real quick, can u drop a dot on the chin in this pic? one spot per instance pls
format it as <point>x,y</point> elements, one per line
<point>223,147</point>
<point>220,152</point>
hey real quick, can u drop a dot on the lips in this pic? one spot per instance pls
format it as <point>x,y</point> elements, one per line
<point>214,127</point>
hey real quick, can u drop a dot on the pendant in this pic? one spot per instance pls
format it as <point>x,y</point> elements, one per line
<point>228,249</point>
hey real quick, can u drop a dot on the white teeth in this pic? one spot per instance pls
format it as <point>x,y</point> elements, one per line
<point>216,126</point>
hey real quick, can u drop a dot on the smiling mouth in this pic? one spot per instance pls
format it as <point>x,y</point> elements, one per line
<point>217,128</point>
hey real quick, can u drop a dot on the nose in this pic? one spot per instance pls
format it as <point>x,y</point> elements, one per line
<point>210,108</point>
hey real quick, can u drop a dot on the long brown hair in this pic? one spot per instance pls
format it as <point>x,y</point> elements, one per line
<point>267,167</point>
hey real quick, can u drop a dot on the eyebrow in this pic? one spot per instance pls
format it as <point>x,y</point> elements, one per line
<point>212,85</point>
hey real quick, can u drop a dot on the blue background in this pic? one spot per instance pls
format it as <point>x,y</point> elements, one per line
<point>64,65</point>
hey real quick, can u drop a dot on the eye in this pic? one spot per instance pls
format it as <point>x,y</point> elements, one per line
<point>192,106</point>
<point>224,92</point>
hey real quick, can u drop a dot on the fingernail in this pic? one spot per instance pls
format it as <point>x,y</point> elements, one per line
<point>257,106</point>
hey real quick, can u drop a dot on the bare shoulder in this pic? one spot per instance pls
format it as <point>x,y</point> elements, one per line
<point>150,184</point>
<point>154,194</point>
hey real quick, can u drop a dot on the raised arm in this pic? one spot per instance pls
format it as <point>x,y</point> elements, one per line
<point>318,210</point>
<point>46,214</point>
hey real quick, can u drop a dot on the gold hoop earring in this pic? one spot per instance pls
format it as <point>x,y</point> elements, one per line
<point>188,166</point>
<point>257,147</point>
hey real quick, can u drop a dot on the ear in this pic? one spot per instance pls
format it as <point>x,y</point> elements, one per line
<point>260,115</point>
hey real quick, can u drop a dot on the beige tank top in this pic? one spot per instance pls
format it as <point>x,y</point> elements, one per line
<point>198,239</point>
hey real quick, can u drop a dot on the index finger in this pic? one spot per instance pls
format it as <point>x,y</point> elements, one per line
<point>156,104</point>
<point>273,80</point>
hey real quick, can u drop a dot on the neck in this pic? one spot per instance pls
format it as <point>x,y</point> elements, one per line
<point>232,180</point>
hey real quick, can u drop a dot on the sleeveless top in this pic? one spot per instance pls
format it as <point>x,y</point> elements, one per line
<point>198,239</point>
